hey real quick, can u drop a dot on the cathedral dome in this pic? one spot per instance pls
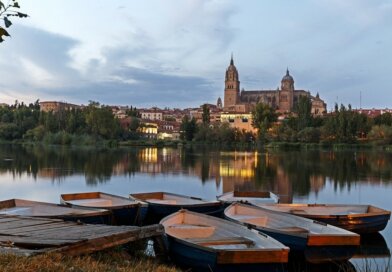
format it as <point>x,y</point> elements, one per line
<point>288,77</point>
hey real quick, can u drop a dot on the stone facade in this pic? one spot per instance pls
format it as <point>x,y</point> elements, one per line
<point>54,106</point>
<point>283,99</point>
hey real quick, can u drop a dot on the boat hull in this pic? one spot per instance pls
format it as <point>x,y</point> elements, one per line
<point>134,215</point>
<point>358,224</point>
<point>30,208</point>
<point>313,254</point>
<point>200,259</point>
<point>122,210</point>
<point>361,219</point>
<point>158,211</point>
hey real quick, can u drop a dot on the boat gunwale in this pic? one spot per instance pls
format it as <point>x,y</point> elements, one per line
<point>88,212</point>
<point>325,216</point>
<point>112,207</point>
<point>272,196</point>
<point>204,202</point>
<point>310,237</point>
<point>218,251</point>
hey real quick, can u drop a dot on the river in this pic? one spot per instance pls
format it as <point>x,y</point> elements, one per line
<point>316,176</point>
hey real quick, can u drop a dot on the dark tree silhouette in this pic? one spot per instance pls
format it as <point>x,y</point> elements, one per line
<point>6,12</point>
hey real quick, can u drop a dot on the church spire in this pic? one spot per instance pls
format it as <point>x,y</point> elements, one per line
<point>287,71</point>
<point>231,60</point>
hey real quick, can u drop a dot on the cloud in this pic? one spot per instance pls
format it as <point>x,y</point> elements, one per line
<point>42,70</point>
<point>145,88</point>
<point>174,53</point>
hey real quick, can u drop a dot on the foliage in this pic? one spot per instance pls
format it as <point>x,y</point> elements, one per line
<point>133,112</point>
<point>206,114</point>
<point>263,118</point>
<point>303,109</point>
<point>101,122</point>
<point>381,134</point>
<point>7,11</point>
<point>309,135</point>
<point>188,128</point>
<point>383,119</point>
<point>345,125</point>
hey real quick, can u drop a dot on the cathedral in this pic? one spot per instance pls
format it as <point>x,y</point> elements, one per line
<point>283,99</point>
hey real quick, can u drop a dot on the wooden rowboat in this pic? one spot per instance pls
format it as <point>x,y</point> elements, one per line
<point>161,204</point>
<point>124,210</point>
<point>205,242</point>
<point>29,208</point>
<point>355,218</point>
<point>251,196</point>
<point>320,242</point>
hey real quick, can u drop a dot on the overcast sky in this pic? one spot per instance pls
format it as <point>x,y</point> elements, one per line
<point>174,52</point>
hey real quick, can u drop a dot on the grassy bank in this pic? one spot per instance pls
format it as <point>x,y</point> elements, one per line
<point>113,261</point>
<point>87,141</point>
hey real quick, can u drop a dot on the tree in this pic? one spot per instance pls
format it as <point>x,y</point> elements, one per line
<point>206,114</point>
<point>7,11</point>
<point>263,118</point>
<point>188,128</point>
<point>303,109</point>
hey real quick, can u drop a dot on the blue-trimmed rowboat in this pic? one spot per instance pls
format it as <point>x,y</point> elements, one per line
<point>318,241</point>
<point>205,242</point>
<point>161,204</point>
<point>356,218</point>
<point>248,196</point>
<point>30,208</point>
<point>124,210</point>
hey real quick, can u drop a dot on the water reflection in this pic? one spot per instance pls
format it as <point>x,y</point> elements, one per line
<point>309,176</point>
<point>275,171</point>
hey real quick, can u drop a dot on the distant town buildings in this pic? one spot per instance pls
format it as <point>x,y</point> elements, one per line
<point>373,112</point>
<point>235,109</point>
<point>56,106</point>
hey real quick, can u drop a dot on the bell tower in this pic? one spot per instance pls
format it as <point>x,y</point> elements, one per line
<point>232,85</point>
<point>286,94</point>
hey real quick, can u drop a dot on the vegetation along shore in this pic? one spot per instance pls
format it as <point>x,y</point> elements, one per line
<point>96,124</point>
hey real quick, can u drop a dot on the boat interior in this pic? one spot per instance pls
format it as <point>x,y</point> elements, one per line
<point>214,233</point>
<point>322,209</point>
<point>282,222</point>
<point>96,199</point>
<point>33,208</point>
<point>167,198</point>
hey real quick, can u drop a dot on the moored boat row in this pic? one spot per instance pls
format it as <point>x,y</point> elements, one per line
<point>260,233</point>
<point>214,244</point>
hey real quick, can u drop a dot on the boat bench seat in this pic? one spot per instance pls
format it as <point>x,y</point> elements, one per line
<point>236,240</point>
<point>162,201</point>
<point>298,211</point>
<point>294,229</point>
<point>185,231</point>
<point>252,219</point>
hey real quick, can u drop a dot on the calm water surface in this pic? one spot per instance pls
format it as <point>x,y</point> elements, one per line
<point>358,177</point>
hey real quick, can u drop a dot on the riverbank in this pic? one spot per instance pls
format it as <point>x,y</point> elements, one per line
<point>216,145</point>
<point>113,261</point>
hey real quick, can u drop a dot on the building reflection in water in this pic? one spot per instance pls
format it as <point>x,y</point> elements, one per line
<point>286,173</point>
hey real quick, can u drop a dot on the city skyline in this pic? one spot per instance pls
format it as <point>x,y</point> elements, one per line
<point>174,54</point>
